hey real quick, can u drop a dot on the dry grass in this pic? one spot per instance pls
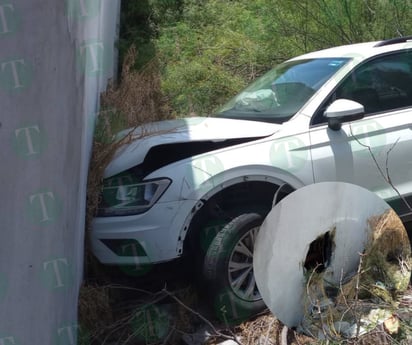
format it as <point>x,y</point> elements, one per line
<point>132,102</point>
<point>267,330</point>
<point>138,97</point>
<point>147,318</point>
<point>95,313</point>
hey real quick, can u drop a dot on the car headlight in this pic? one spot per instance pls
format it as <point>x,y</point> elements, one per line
<point>124,195</point>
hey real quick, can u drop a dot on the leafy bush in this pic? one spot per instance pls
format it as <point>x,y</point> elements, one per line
<point>209,49</point>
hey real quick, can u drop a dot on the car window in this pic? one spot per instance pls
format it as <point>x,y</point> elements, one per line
<point>280,93</point>
<point>382,84</point>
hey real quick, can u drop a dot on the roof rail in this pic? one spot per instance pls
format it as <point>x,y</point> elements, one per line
<point>393,41</point>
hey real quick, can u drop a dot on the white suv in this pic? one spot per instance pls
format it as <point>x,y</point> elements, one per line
<point>201,186</point>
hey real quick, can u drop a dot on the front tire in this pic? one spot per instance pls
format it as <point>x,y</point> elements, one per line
<point>228,270</point>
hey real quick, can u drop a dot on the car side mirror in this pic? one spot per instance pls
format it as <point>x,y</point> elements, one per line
<point>343,110</point>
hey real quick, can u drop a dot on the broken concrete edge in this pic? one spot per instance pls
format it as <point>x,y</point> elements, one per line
<point>371,295</point>
<point>337,301</point>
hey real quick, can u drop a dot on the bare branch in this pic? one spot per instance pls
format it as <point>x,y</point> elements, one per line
<point>213,328</point>
<point>386,175</point>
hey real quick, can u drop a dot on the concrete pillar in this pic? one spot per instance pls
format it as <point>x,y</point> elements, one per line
<point>55,57</point>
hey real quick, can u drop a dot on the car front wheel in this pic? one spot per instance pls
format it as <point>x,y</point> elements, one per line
<point>228,270</point>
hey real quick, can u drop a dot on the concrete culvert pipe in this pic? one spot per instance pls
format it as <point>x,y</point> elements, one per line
<point>332,260</point>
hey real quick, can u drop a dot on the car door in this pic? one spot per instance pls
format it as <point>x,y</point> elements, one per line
<point>376,151</point>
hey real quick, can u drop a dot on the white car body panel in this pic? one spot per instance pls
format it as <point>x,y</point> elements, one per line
<point>161,229</point>
<point>180,131</point>
<point>390,137</point>
<point>153,230</point>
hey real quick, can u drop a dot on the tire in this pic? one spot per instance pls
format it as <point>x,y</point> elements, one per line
<point>228,270</point>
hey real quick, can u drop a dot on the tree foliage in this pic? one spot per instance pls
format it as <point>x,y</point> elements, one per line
<point>209,49</point>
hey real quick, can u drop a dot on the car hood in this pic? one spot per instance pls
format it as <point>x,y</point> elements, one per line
<point>193,129</point>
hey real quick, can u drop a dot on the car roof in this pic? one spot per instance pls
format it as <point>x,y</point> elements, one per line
<point>360,51</point>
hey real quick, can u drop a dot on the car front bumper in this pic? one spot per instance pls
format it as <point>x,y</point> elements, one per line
<point>151,237</point>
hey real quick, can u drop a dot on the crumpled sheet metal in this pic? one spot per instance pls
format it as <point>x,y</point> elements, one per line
<point>332,260</point>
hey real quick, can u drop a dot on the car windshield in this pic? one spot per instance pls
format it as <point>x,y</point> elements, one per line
<point>279,94</point>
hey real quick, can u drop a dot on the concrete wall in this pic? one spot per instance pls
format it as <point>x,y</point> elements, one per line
<point>55,57</point>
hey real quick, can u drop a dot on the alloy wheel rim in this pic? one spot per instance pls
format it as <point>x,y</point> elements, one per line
<point>240,269</point>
